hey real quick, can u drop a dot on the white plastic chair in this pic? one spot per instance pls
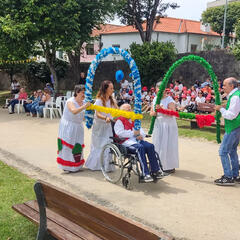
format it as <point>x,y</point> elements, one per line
<point>20,107</point>
<point>58,106</point>
<point>68,94</point>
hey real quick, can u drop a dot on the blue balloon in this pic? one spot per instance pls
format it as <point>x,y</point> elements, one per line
<point>119,75</point>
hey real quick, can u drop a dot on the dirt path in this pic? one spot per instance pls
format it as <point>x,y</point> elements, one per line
<point>186,204</point>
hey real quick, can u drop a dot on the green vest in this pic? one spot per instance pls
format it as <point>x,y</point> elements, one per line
<point>230,125</point>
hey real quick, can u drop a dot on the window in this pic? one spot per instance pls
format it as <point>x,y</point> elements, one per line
<point>193,47</point>
<point>90,49</point>
<point>60,54</point>
<point>116,45</point>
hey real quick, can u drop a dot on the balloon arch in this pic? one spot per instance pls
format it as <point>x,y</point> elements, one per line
<point>135,76</point>
<point>211,73</point>
<point>137,86</point>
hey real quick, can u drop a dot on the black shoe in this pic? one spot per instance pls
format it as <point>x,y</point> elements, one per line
<point>158,175</point>
<point>224,181</point>
<point>236,179</point>
<point>169,171</point>
<point>11,113</point>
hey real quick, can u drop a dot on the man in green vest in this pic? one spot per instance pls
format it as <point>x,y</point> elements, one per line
<point>228,148</point>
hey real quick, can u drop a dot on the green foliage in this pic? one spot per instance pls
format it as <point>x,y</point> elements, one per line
<point>153,60</point>
<point>236,50</point>
<point>15,188</point>
<point>41,71</point>
<point>237,29</point>
<point>54,25</point>
<point>215,17</point>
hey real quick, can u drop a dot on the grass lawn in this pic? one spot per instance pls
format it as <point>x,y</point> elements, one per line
<point>208,133</point>
<point>15,188</point>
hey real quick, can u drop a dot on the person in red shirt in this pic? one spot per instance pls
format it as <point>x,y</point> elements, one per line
<point>22,96</point>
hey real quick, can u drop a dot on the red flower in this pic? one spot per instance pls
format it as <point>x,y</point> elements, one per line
<point>204,120</point>
<point>168,112</point>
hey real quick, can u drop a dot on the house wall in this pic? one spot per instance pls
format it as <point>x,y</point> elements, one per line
<point>197,40</point>
<point>182,42</point>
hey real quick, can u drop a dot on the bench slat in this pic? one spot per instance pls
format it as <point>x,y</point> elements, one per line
<point>54,229</point>
<point>98,220</point>
<point>65,223</point>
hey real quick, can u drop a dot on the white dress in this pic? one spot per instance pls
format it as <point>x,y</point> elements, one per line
<point>101,132</point>
<point>70,139</point>
<point>165,137</point>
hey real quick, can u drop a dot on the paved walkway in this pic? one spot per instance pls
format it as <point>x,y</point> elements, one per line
<point>187,204</point>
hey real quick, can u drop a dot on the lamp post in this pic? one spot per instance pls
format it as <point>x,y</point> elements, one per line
<point>224,23</point>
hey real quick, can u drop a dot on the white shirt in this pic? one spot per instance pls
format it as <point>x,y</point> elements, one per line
<point>180,87</point>
<point>200,100</point>
<point>125,84</point>
<point>164,102</point>
<point>184,103</point>
<point>123,133</point>
<point>234,108</point>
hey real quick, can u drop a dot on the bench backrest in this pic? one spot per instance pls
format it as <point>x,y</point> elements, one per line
<point>102,222</point>
<point>205,107</point>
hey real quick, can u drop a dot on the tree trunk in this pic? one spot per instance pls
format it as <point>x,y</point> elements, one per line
<point>150,22</point>
<point>74,58</point>
<point>50,55</point>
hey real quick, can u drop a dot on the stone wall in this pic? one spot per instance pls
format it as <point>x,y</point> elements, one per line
<point>224,65</point>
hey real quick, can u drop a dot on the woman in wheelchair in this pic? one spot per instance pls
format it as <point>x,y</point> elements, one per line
<point>124,129</point>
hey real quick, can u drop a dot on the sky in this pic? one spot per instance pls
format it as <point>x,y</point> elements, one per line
<point>189,9</point>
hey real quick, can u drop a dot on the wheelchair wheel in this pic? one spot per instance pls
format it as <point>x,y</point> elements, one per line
<point>111,163</point>
<point>126,182</point>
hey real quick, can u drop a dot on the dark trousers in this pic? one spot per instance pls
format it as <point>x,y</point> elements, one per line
<point>143,148</point>
<point>13,103</point>
<point>27,107</point>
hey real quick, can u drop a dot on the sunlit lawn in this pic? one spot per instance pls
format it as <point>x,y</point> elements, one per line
<point>15,188</point>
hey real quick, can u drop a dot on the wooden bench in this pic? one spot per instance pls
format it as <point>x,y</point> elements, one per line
<point>205,107</point>
<point>62,215</point>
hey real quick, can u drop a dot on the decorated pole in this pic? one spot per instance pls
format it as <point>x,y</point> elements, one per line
<point>210,71</point>
<point>135,76</point>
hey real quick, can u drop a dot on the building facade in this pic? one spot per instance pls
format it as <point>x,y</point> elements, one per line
<point>187,36</point>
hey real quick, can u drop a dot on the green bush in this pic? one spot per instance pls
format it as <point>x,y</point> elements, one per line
<point>153,60</point>
<point>236,50</point>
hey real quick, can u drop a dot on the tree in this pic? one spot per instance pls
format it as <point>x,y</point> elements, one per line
<point>94,13</point>
<point>236,47</point>
<point>215,17</point>
<point>52,25</point>
<point>137,12</point>
<point>153,60</point>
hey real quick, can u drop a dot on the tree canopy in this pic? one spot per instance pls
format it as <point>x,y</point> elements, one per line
<point>137,12</point>
<point>153,60</point>
<point>51,25</point>
<point>215,17</point>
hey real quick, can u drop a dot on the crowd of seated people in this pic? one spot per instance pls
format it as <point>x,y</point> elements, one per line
<point>32,104</point>
<point>186,98</point>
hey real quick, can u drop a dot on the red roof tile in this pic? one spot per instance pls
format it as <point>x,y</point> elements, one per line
<point>168,25</point>
<point>104,28</point>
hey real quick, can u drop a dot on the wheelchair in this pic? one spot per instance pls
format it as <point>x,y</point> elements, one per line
<point>119,162</point>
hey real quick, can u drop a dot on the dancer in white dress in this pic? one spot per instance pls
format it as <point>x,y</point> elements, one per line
<point>165,133</point>
<point>102,128</point>
<point>71,132</point>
